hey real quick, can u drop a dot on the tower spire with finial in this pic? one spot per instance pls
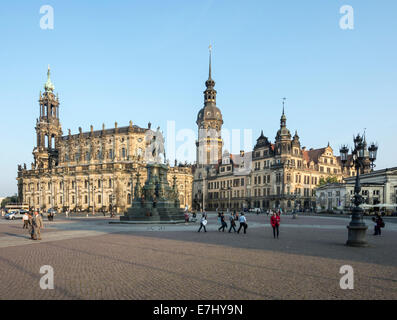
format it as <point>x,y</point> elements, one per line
<point>210,93</point>
<point>210,61</point>
<point>283,120</point>
<point>48,85</point>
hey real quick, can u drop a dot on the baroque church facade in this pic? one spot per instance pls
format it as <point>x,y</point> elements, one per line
<point>92,171</point>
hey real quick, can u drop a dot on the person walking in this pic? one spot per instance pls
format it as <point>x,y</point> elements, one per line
<point>275,222</point>
<point>379,224</point>
<point>37,224</point>
<point>243,223</point>
<point>186,213</point>
<point>232,223</point>
<point>223,223</point>
<point>25,219</point>
<point>203,222</point>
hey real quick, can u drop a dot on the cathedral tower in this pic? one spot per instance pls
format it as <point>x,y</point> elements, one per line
<point>48,127</point>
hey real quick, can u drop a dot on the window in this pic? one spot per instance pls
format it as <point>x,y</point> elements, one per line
<point>99,183</point>
<point>72,199</point>
<point>110,154</point>
<point>99,198</point>
<point>123,153</point>
<point>85,199</point>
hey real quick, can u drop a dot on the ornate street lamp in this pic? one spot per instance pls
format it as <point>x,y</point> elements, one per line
<point>357,228</point>
<point>373,149</point>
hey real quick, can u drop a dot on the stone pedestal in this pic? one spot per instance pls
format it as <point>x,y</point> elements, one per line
<point>357,230</point>
<point>356,236</point>
<point>156,201</point>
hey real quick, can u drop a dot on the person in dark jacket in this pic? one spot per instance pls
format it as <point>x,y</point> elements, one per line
<point>275,223</point>
<point>223,223</point>
<point>379,224</point>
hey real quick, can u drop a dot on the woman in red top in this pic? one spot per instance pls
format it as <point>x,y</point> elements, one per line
<point>275,222</point>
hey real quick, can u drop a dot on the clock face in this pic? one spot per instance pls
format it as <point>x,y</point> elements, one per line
<point>140,140</point>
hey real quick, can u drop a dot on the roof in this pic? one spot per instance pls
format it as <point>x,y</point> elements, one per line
<point>312,155</point>
<point>111,131</point>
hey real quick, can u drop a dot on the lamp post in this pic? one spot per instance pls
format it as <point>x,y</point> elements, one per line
<point>357,227</point>
<point>93,198</point>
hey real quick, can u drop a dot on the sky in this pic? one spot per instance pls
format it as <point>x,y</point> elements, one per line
<point>147,61</point>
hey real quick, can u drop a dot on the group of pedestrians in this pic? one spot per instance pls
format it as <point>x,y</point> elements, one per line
<point>33,222</point>
<point>233,217</point>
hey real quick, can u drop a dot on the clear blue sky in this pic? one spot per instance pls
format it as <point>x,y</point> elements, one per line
<point>148,61</point>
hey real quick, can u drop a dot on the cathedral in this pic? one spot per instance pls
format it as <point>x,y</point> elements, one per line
<point>89,171</point>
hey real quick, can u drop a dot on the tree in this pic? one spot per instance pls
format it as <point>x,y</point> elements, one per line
<point>8,200</point>
<point>330,179</point>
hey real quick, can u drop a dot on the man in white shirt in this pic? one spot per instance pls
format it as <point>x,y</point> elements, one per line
<point>243,223</point>
<point>25,219</point>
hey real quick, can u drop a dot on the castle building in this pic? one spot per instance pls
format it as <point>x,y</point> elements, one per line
<point>87,171</point>
<point>274,175</point>
<point>285,174</point>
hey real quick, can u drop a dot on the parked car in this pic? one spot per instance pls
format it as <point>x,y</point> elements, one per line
<point>256,210</point>
<point>15,215</point>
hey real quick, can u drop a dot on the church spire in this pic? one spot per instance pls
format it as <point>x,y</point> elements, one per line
<point>283,120</point>
<point>209,72</point>
<point>210,93</point>
<point>48,85</point>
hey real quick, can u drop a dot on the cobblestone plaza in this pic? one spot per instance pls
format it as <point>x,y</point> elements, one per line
<point>93,259</point>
